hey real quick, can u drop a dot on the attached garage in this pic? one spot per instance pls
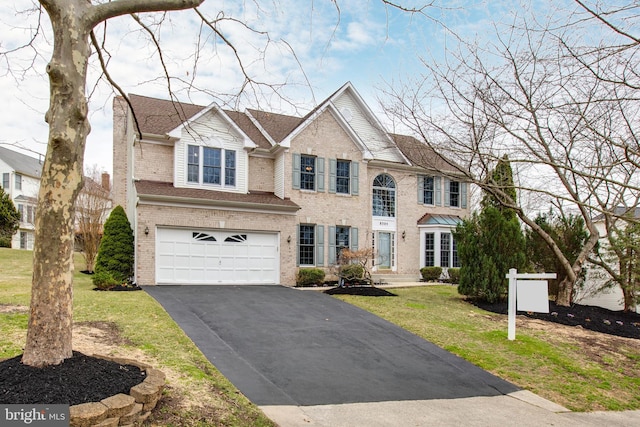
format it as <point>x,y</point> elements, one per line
<point>216,257</point>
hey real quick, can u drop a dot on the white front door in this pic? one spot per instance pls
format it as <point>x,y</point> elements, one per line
<point>385,252</point>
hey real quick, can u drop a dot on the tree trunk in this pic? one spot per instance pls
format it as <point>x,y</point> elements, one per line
<point>50,321</point>
<point>565,290</point>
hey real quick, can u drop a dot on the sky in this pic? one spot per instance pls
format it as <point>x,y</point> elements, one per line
<point>300,52</point>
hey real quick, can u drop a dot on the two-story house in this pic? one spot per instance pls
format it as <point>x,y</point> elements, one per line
<point>222,197</point>
<point>21,180</point>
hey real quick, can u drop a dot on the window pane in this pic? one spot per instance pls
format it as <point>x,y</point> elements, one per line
<point>428,190</point>
<point>230,168</point>
<point>18,182</point>
<point>343,169</point>
<point>384,196</point>
<point>429,250</point>
<point>454,193</point>
<point>445,247</point>
<point>193,164</point>
<point>211,169</point>
<point>456,261</point>
<point>307,244</point>
<point>307,173</point>
<point>342,239</point>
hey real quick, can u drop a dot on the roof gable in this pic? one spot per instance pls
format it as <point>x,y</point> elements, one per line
<point>277,126</point>
<point>21,163</point>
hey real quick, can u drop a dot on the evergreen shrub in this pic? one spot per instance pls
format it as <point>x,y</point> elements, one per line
<point>116,253</point>
<point>309,277</point>
<point>431,274</point>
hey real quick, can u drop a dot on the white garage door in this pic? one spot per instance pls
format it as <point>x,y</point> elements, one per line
<point>212,257</point>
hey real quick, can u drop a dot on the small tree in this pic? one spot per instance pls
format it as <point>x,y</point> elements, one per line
<point>91,210</point>
<point>116,254</point>
<point>9,218</point>
<point>569,234</point>
<point>360,257</point>
<point>491,243</point>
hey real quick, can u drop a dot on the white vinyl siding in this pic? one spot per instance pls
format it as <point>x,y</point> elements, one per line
<point>212,131</point>
<point>374,138</point>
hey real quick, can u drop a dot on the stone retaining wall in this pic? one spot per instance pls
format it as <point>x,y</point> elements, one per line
<point>122,409</point>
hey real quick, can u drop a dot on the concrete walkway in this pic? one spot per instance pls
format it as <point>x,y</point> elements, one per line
<point>309,359</point>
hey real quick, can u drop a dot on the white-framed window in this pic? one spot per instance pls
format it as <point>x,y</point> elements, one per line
<point>5,180</point>
<point>384,196</point>
<point>440,249</point>
<point>341,237</point>
<point>310,245</point>
<point>343,177</point>
<point>18,183</point>
<point>308,172</point>
<point>428,190</point>
<point>208,165</point>
<point>455,194</point>
<point>429,250</point>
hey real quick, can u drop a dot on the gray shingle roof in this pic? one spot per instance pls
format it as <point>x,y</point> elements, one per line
<point>21,163</point>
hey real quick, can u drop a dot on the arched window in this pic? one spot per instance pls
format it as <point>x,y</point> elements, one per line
<point>384,196</point>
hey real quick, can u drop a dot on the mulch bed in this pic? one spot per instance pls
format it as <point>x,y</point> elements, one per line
<point>589,317</point>
<point>368,291</point>
<point>80,379</point>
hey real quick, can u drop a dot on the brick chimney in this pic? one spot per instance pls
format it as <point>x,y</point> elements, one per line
<point>106,181</point>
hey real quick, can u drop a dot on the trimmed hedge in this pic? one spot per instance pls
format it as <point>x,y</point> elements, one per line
<point>454,275</point>
<point>309,277</point>
<point>431,274</point>
<point>104,281</point>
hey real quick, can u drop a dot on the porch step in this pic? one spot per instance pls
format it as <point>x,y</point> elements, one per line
<point>395,278</point>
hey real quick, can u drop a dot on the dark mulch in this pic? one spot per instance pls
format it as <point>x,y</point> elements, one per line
<point>589,317</point>
<point>121,288</point>
<point>368,291</point>
<point>80,379</point>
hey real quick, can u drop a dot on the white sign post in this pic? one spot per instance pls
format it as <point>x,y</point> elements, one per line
<point>530,293</point>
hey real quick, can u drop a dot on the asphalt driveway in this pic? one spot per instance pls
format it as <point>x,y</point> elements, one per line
<point>283,346</point>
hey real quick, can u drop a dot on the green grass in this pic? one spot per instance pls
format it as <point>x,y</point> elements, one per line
<point>555,367</point>
<point>146,326</point>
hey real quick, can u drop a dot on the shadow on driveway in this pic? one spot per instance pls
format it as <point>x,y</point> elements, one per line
<point>283,346</point>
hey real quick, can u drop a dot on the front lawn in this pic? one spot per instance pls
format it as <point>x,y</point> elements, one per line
<point>576,368</point>
<point>133,325</point>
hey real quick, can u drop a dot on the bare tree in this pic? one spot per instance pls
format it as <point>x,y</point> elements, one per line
<point>49,338</point>
<point>92,208</point>
<point>73,23</point>
<point>569,132</point>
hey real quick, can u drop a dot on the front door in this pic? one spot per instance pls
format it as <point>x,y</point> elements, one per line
<point>384,250</point>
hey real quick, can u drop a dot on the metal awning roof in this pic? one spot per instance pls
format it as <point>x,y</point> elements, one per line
<point>448,220</point>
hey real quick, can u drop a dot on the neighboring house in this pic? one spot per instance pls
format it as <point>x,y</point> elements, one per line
<point>592,293</point>
<point>221,197</point>
<point>21,180</point>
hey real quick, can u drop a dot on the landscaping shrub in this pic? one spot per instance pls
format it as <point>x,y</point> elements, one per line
<point>352,271</point>
<point>454,275</point>
<point>104,281</point>
<point>431,274</point>
<point>5,242</point>
<point>309,277</point>
<point>116,253</point>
